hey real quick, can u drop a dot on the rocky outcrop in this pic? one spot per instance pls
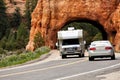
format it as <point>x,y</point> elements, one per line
<point>50,16</point>
<point>11,5</point>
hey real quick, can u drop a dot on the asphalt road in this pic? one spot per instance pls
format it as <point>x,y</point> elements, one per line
<point>72,68</point>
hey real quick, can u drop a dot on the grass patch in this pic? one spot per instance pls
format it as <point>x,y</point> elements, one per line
<point>23,57</point>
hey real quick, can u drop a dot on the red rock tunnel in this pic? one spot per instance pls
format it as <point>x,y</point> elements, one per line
<point>50,16</point>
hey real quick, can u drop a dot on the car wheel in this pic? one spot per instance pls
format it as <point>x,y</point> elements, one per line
<point>80,55</point>
<point>63,56</point>
<point>91,58</point>
<point>113,57</point>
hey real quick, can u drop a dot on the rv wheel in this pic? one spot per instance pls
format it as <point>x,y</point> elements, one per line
<point>63,56</point>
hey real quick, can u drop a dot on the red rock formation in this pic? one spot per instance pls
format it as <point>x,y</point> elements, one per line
<point>50,16</point>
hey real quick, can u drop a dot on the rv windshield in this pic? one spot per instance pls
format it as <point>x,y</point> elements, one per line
<point>70,42</point>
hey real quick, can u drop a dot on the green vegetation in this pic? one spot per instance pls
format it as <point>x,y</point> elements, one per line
<point>14,29</point>
<point>14,35</point>
<point>16,39</point>
<point>38,40</point>
<point>16,19</point>
<point>4,23</point>
<point>23,57</point>
<point>22,36</point>
<point>30,5</point>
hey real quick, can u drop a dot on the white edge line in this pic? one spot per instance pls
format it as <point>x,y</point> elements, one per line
<point>68,77</point>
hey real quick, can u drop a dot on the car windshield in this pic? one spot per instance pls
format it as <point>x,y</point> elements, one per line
<point>99,43</point>
<point>70,42</point>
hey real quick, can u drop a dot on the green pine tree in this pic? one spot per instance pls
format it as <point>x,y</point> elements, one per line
<point>22,36</point>
<point>16,19</point>
<point>4,23</point>
<point>38,40</point>
<point>30,6</point>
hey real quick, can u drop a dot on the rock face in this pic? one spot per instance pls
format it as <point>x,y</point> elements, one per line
<point>50,16</point>
<point>11,6</point>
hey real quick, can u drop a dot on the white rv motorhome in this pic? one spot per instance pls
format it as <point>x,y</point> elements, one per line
<point>71,42</point>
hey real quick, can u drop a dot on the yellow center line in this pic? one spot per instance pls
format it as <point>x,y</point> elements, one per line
<point>35,70</point>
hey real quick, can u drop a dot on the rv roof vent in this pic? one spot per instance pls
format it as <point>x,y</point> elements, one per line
<point>71,28</point>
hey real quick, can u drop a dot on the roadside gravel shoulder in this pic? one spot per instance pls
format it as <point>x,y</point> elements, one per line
<point>52,55</point>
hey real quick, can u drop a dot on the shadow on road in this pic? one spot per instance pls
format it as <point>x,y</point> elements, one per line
<point>104,59</point>
<point>74,56</point>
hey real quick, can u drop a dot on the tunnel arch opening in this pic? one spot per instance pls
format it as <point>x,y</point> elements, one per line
<point>93,23</point>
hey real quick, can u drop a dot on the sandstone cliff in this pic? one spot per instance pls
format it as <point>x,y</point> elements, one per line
<point>50,16</point>
<point>11,6</point>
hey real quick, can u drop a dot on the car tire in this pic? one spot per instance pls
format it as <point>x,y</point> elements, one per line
<point>80,55</point>
<point>91,58</point>
<point>113,57</point>
<point>63,56</point>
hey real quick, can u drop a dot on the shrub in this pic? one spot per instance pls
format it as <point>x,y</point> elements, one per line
<point>2,51</point>
<point>42,50</point>
<point>22,36</point>
<point>30,6</point>
<point>3,42</point>
<point>16,39</point>
<point>38,40</point>
<point>23,57</point>
<point>16,19</point>
<point>4,23</point>
<point>10,46</point>
<point>98,36</point>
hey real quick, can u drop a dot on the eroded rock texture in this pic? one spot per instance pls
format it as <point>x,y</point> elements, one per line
<point>50,16</point>
<point>11,5</point>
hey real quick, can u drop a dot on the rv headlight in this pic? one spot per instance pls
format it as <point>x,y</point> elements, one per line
<point>62,49</point>
<point>79,49</point>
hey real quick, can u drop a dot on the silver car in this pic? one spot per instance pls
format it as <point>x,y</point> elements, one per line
<point>100,49</point>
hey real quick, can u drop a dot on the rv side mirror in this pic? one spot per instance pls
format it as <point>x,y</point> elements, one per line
<point>57,44</point>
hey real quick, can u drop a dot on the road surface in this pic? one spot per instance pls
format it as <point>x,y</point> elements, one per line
<point>72,68</point>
